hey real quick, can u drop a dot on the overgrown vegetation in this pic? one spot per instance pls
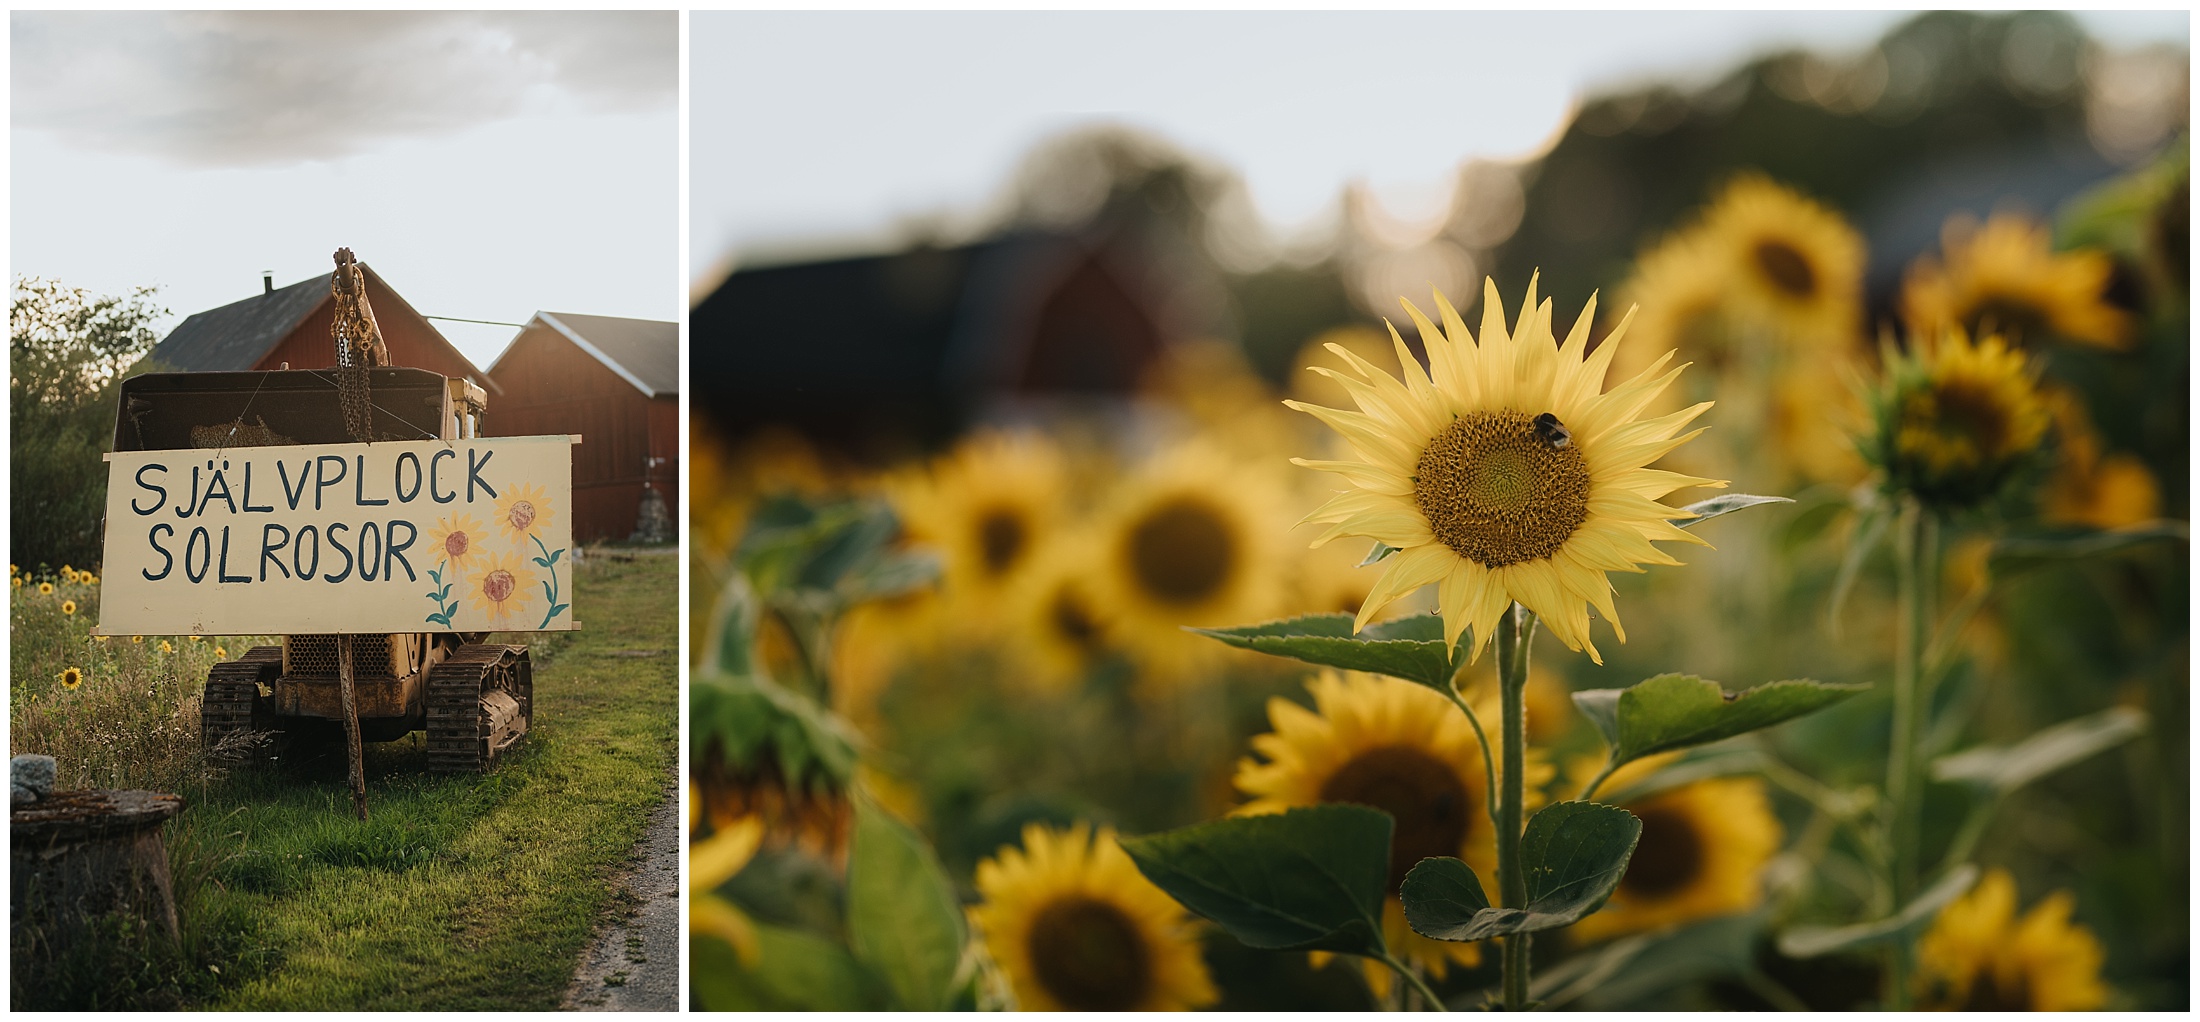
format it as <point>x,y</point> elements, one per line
<point>67,349</point>
<point>461,892</point>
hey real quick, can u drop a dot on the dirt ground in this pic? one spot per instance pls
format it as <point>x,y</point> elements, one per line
<point>633,964</point>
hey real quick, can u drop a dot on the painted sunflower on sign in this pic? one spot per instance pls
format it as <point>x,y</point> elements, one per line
<point>1703,848</point>
<point>1076,927</point>
<point>457,539</point>
<point>2004,277</point>
<point>1400,748</point>
<point>502,588</point>
<point>1188,541</point>
<point>1980,957</point>
<point>523,513</point>
<point>1506,472</point>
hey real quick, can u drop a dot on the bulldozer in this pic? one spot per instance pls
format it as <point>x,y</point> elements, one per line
<point>474,699</point>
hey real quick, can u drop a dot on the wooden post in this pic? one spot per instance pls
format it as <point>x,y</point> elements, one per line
<point>353,746</point>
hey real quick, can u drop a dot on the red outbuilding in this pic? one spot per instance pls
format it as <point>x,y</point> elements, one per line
<point>616,383</point>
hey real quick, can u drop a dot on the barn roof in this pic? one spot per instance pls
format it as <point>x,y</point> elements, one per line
<point>235,336</point>
<point>644,352</point>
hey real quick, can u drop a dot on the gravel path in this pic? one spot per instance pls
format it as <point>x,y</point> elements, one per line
<point>634,963</point>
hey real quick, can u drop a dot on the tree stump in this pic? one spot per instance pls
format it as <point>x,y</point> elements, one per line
<point>77,857</point>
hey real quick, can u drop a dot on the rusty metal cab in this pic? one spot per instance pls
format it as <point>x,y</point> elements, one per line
<point>474,700</point>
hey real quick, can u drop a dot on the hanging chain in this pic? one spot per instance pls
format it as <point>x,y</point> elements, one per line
<point>358,346</point>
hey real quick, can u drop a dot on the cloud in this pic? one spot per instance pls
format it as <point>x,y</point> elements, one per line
<point>269,87</point>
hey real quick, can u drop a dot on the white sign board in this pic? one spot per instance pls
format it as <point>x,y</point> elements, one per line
<point>415,536</point>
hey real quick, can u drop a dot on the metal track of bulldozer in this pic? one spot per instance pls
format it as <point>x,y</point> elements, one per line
<point>233,704</point>
<point>462,737</point>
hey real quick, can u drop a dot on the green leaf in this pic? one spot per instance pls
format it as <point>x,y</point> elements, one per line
<point>757,724</point>
<point>2018,551</point>
<point>1812,941</point>
<point>1573,853</point>
<point>2003,769</point>
<point>903,920</point>
<point>729,644</point>
<point>1377,554</point>
<point>793,971</point>
<point>1409,647</point>
<point>1674,711</point>
<point>1313,878</point>
<point>1724,504</point>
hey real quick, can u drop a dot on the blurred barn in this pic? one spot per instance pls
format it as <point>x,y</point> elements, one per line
<point>616,383</point>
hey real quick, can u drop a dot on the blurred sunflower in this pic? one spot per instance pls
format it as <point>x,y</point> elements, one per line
<point>1785,260</point>
<point>68,607</point>
<point>1400,748</point>
<point>1955,421</point>
<point>1189,540</point>
<point>711,862</point>
<point>1060,632</point>
<point>986,506</point>
<point>1076,927</point>
<point>71,677</point>
<point>68,572</point>
<point>138,640</point>
<point>166,646</point>
<point>87,578</point>
<point>221,652</point>
<point>871,645</point>
<point>1702,849</point>
<point>2004,277</point>
<point>17,581</point>
<point>1811,419</point>
<point>1980,957</point>
<point>1677,296</point>
<point>2089,487</point>
<point>45,589</point>
<point>1507,473</point>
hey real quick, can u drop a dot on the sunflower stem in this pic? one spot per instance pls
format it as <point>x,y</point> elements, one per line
<point>1482,739</point>
<point>1435,1003</point>
<point>1610,765</point>
<point>1914,553</point>
<point>1514,631</point>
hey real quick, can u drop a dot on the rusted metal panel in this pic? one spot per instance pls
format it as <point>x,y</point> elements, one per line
<point>380,697</point>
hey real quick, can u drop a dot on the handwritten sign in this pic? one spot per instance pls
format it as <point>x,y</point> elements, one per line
<point>419,536</point>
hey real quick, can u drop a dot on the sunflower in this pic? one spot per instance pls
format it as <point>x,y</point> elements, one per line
<point>1956,420</point>
<point>2003,277</point>
<point>137,640</point>
<point>17,581</point>
<point>986,506</point>
<point>1702,849</point>
<point>166,646</point>
<point>1188,541</point>
<point>1980,957</point>
<point>68,571</point>
<point>1364,342</point>
<point>221,652</point>
<point>711,862</point>
<point>71,678</point>
<point>45,589</point>
<point>1059,629</point>
<point>1788,262</point>
<point>503,587</point>
<point>523,513</point>
<point>458,537</point>
<point>1076,927</point>
<point>68,607</point>
<point>2104,490</point>
<point>87,578</point>
<point>1507,473</point>
<point>1400,748</point>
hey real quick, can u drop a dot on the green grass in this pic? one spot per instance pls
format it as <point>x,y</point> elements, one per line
<point>461,892</point>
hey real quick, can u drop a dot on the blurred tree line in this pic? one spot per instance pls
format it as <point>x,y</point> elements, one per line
<point>68,349</point>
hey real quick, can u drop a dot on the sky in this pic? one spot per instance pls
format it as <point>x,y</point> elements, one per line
<point>821,131</point>
<point>487,165</point>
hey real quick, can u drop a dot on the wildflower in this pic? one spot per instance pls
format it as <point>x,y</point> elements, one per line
<point>71,678</point>
<point>45,589</point>
<point>138,640</point>
<point>1506,473</point>
<point>166,647</point>
<point>1076,927</point>
<point>221,653</point>
<point>68,607</point>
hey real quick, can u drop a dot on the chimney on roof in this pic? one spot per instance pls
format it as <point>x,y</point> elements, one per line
<point>267,280</point>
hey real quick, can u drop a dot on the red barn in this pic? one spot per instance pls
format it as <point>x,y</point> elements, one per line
<point>614,381</point>
<point>291,324</point>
